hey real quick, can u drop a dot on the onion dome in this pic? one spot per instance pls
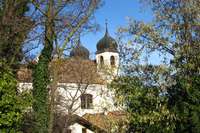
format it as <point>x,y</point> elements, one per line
<point>80,51</point>
<point>107,43</point>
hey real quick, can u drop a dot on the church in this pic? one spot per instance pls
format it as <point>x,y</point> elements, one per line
<point>82,97</point>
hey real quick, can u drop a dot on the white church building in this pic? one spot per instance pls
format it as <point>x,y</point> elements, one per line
<point>82,89</point>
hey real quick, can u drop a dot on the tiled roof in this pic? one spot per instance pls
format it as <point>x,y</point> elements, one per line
<point>76,70</point>
<point>72,70</point>
<point>61,119</point>
<point>107,120</point>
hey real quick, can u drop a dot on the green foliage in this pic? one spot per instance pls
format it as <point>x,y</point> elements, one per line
<point>184,102</point>
<point>12,103</point>
<point>146,107</point>
<point>175,35</point>
<point>41,75</point>
<point>40,91</point>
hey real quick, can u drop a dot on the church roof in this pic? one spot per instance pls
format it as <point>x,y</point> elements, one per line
<point>107,43</point>
<point>72,70</point>
<point>77,70</point>
<point>80,51</point>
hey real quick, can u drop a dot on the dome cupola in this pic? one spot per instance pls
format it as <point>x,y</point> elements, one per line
<point>107,43</point>
<point>80,51</point>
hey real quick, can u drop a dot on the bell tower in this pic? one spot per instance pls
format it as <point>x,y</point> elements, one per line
<point>107,55</point>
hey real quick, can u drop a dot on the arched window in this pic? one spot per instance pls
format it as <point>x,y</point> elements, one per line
<point>86,101</point>
<point>101,61</point>
<point>112,61</point>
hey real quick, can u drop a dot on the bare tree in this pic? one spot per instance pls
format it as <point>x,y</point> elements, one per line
<point>70,17</point>
<point>72,78</point>
<point>59,21</point>
<point>14,26</point>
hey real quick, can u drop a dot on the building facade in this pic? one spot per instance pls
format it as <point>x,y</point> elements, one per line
<point>82,83</point>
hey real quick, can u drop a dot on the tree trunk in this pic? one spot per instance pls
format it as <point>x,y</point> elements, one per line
<point>41,78</point>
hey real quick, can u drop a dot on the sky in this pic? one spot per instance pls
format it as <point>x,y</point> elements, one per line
<point>116,12</point>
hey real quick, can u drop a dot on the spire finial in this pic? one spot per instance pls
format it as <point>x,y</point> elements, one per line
<point>106,22</point>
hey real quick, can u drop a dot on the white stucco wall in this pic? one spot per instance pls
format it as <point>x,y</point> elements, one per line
<point>77,128</point>
<point>106,57</point>
<point>103,98</point>
<point>25,86</point>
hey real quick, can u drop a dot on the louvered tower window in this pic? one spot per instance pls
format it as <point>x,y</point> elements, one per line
<point>101,61</point>
<point>112,61</point>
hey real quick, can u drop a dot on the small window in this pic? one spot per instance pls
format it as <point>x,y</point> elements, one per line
<point>112,61</point>
<point>86,101</point>
<point>84,130</point>
<point>101,61</point>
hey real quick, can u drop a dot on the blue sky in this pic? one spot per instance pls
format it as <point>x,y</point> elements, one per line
<point>115,11</point>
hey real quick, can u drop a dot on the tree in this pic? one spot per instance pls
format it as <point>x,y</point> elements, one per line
<point>41,75</point>
<point>146,107</point>
<point>13,29</point>
<point>14,26</point>
<point>12,103</point>
<point>175,35</point>
<point>60,22</point>
<point>74,78</point>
